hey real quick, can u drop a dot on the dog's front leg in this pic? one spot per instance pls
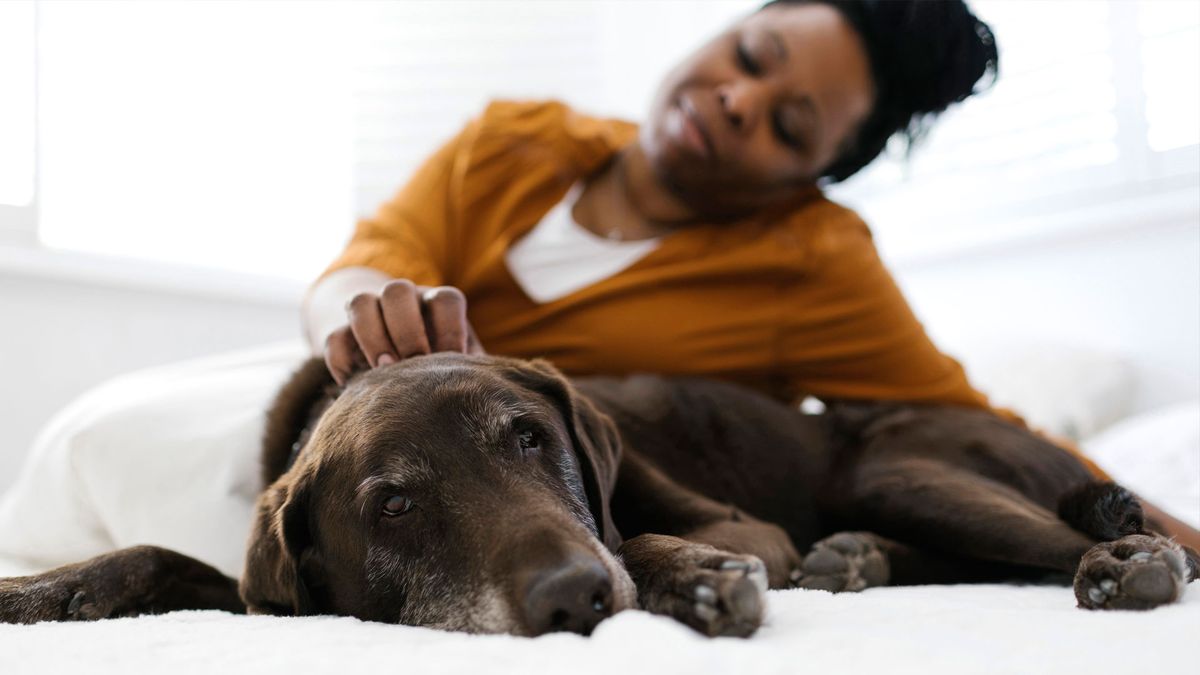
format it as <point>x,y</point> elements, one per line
<point>702,562</point>
<point>714,591</point>
<point>647,501</point>
<point>128,582</point>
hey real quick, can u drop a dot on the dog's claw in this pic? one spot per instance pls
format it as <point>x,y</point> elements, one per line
<point>1108,586</point>
<point>706,594</point>
<point>1141,556</point>
<point>76,602</point>
<point>707,613</point>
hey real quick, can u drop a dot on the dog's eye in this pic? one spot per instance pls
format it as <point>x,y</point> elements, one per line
<point>528,441</point>
<point>396,506</point>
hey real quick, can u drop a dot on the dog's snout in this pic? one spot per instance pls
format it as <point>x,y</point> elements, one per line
<point>573,596</point>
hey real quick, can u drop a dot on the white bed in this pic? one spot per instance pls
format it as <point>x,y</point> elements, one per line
<point>949,629</point>
<point>132,462</point>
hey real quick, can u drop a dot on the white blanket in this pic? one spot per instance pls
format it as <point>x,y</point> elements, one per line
<point>924,629</point>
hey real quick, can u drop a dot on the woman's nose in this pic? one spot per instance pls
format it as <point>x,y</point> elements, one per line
<point>741,102</point>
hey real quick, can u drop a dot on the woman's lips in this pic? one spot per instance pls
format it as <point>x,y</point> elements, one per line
<point>683,124</point>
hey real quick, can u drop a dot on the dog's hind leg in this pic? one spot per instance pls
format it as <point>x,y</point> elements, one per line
<point>128,582</point>
<point>943,508</point>
<point>952,511</point>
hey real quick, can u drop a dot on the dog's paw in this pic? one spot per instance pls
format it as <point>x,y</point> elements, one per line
<point>1134,572</point>
<point>713,591</point>
<point>35,599</point>
<point>846,561</point>
<point>717,594</point>
<point>728,600</point>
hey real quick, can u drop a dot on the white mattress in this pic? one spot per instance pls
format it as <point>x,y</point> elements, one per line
<point>927,629</point>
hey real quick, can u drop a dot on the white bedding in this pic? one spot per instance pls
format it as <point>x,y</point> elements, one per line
<point>133,462</point>
<point>926,629</point>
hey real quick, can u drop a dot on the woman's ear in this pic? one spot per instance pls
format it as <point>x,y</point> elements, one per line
<point>281,552</point>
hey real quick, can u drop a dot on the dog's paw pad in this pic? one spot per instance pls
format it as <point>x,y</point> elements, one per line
<point>1134,572</point>
<point>723,593</point>
<point>729,595</point>
<point>847,561</point>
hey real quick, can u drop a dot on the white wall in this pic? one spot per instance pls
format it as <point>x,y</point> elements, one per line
<point>61,336</point>
<point>1133,292</point>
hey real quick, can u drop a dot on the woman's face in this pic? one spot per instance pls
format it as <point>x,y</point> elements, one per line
<point>759,111</point>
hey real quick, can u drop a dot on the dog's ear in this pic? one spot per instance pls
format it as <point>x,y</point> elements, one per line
<point>597,443</point>
<point>281,553</point>
<point>293,414</point>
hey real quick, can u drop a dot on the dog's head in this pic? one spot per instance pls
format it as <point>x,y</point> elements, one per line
<point>460,492</point>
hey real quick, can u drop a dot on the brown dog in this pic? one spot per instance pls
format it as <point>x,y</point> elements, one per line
<point>491,495</point>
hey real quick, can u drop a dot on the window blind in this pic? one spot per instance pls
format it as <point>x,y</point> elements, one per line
<point>1091,124</point>
<point>248,135</point>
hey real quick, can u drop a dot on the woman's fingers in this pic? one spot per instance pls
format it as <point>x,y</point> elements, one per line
<point>366,323</point>
<point>446,317</point>
<point>342,355</point>
<point>401,321</point>
<point>400,304</point>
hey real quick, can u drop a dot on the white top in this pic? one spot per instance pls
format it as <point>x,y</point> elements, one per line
<point>559,256</point>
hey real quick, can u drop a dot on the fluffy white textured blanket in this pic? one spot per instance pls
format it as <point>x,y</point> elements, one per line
<point>923,629</point>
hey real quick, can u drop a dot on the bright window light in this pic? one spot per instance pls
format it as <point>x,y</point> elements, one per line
<point>1170,34</point>
<point>213,134</point>
<point>17,108</point>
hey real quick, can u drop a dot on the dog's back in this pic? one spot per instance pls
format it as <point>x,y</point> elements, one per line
<point>726,442</point>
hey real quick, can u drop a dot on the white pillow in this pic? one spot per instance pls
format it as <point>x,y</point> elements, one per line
<point>166,456</point>
<point>1068,390</point>
<point>1157,455</point>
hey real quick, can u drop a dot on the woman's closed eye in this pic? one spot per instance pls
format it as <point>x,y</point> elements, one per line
<point>746,61</point>
<point>788,130</point>
<point>785,122</point>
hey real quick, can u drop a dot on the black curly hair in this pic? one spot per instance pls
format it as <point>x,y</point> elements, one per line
<point>925,55</point>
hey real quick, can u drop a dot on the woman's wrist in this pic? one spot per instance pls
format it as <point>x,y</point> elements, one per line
<point>324,308</point>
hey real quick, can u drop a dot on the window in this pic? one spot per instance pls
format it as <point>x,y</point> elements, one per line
<point>248,135</point>
<point>425,68</point>
<point>1093,123</point>
<point>204,134</point>
<point>17,113</point>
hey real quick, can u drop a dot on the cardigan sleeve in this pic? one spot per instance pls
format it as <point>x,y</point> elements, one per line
<point>410,236</point>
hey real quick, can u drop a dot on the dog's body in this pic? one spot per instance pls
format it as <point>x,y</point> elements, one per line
<point>488,494</point>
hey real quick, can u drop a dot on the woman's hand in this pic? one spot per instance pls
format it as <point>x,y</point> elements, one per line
<point>394,321</point>
<point>401,321</point>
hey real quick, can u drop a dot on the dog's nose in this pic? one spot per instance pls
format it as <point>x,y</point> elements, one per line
<point>573,596</point>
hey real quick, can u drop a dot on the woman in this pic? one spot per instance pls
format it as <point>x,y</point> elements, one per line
<point>698,243</point>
